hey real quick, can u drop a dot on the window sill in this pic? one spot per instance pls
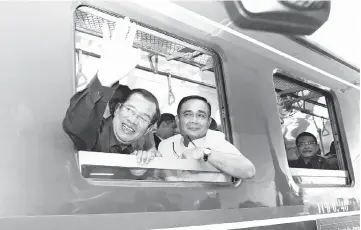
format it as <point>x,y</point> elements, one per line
<point>318,177</point>
<point>129,161</point>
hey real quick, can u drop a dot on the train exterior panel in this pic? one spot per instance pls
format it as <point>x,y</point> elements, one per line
<point>43,189</point>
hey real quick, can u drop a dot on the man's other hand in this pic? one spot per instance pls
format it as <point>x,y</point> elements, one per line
<point>196,153</point>
<point>144,157</point>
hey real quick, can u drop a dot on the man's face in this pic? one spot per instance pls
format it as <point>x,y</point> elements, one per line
<point>194,119</point>
<point>167,128</point>
<point>132,119</point>
<point>307,146</point>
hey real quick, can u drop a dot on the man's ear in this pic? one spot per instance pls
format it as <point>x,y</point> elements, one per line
<point>209,122</point>
<point>177,121</point>
<point>117,107</point>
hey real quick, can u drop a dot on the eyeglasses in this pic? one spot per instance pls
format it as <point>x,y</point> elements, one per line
<point>143,120</point>
<point>302,144</point>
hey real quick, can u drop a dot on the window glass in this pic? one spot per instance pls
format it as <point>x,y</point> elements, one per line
<point>170,69</point>
<point>309,126</point>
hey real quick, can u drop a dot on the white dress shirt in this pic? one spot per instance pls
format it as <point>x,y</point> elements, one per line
<point>173,147</point>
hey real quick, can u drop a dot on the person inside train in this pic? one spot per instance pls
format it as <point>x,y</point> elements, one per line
<point>120,94</point>
<point>331,158</point>
<point>132,118</point>
<point>309,153</point>
<point>332,151</point>
<point>213,125</point>
<point>197,142</point>
<point>166,126</point>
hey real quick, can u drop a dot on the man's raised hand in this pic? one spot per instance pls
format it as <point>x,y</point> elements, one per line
<point>118,56</point>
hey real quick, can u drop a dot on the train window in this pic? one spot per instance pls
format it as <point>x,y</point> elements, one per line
<point>310,131</point>
<point>170,69</point>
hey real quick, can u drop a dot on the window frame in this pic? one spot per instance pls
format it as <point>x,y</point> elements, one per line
<point>130,162</point>
<point>221,96</point>
<point>335,117</point>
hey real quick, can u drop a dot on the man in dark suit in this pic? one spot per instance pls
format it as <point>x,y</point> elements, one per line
<point>166,126</point>
<point>310,156</point>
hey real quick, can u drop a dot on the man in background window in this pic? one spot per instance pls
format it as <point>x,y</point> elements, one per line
<point>166,126</point>
<point>196,141</point>
<point>309,153</point>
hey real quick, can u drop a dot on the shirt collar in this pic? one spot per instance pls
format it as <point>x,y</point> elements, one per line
<point>313,159</point>
<point>113,141</point>
<point>159,137</point>
<point>198,142</point>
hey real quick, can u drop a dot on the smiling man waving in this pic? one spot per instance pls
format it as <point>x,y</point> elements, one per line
<point>132,119</point>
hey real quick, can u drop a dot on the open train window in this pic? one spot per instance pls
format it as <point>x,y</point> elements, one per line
<point>310,131</point>
<point>170,68</point>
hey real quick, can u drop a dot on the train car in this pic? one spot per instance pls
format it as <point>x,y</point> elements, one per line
<point>264,88</point>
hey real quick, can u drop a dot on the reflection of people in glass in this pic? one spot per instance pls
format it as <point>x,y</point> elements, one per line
<point>196,141</point>
<point>309,153</point>
<point>166,126</point>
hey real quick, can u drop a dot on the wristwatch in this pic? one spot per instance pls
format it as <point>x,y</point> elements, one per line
<point>206,152</point>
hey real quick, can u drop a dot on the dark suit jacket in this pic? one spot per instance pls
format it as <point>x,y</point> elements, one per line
<point>157,140</point>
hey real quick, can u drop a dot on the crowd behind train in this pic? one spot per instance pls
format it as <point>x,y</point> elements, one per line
<point>112,118</point>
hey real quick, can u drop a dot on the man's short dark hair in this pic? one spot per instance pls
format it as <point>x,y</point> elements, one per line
<point>193,97</point>
<point>305,134</point>
<point>150,97</point>
<point>165,117</point>
<point>121,93</point>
